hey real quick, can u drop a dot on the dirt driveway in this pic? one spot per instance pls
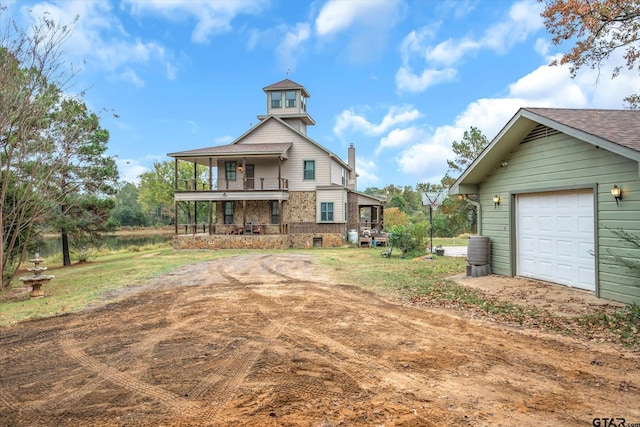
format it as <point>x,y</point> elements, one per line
<point>267,340</point>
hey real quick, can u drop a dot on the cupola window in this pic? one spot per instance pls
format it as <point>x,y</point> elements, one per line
<point>290,99</point>
<point>276,99</point>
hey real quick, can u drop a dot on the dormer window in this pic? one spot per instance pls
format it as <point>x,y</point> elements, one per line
<point>276,99</point>
<point>290,99</point>
<point>303,103</point>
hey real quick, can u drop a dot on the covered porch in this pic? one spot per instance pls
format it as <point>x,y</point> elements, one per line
<point>231,190</point>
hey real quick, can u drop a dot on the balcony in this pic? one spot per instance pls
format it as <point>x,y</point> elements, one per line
<point>260,188</point>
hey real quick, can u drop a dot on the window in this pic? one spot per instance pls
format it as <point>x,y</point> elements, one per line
<point>228,212</point>
<point>309,170</point>
<point>344,177</point>
<point>326,211</point>
<point>230,171</point>
<point>290,99</point>
<point>276,99</point>
<point>303,102</point>
<point>275,212</point>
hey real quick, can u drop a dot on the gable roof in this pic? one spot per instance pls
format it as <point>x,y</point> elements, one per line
<point>617,131</point>
<point>620,127</point>
<point>286,84</point>
<point>237,149</point>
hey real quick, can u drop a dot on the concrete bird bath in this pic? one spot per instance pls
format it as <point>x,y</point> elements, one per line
<point>37,280</point>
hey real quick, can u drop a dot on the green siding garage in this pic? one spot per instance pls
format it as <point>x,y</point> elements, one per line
<point>553,171</point>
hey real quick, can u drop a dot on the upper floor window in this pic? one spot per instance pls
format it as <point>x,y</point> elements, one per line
<point>230,171</point>
<point>344,177</point>
<point>326,211</point>
<point>309,170</point>
<point>290,99</point>
<point>276,99</point>
<point>303,103</point>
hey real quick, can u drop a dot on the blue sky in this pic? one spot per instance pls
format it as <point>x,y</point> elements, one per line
<point>401,80</point>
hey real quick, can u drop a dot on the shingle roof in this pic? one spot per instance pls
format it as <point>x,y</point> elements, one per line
<point>621,127</point>
<point>236,149</point>
<point>287,84</point>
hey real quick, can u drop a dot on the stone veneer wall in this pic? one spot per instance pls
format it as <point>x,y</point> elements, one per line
<point>200,241</point>
<point>301,207</point>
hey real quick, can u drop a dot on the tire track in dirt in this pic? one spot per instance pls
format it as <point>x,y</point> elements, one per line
<point>238,368</point>
<point>8,401</point>
<point>305,382</point>
<point>158,394</point>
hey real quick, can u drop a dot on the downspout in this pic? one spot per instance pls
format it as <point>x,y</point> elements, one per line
<point>478,209</point>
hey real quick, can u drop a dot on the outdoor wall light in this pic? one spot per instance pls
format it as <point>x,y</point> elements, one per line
<point>240,169</point>
<point>496,201</point>
<point>616,192</point>
<point>504,164</point>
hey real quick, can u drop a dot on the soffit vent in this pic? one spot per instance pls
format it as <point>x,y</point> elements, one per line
<point>540,132</point>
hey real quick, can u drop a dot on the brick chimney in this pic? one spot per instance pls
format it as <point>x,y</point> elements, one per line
<point>353,177</point>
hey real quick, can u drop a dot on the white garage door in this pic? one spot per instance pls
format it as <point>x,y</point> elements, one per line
<point>556,237</point>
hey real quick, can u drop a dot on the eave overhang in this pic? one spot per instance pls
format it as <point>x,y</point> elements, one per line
<point>511,135</point>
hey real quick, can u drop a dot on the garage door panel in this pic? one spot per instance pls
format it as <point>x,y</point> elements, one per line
<point>545,246</point>
<point>565,248</point>
<point>556,237</point>
<point>585,224</point>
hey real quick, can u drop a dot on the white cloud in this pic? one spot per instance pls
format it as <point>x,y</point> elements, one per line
<point>366,170</point>
<point>399,138</point>
<point>438,61</point>
<point>98,38</point>
<point>524,19</point>
<point>407,81</point>
<point>349,120</point>
<point>543,87</point>
<point>426,161</point>
<point>292,45</point>
<point>212,17</point>
<point>131,77</point>
<point>130,170</point>
<point>172,71</point>
<point>337,15</point>
<point>449,52</point>
<point>542,46</point>
<point>363,26</point>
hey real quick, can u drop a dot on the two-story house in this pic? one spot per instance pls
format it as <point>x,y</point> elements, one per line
<point>274,187</point>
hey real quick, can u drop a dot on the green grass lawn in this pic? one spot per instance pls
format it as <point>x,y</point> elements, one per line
<point>80,285</point>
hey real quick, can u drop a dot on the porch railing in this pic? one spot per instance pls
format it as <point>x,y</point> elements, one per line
<point>251,184</point>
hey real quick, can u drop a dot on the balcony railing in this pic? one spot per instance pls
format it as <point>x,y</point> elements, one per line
<point>250,184</point>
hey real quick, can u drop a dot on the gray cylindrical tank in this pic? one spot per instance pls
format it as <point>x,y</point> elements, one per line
<point>478,250</point>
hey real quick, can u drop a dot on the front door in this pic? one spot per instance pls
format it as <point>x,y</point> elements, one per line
<point>249,185</point>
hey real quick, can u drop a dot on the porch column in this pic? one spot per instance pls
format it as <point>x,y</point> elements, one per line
<point>280,215</point>
<point>195,203</point>
<point>175,174</point>
<point>244,213</point>
<point>244,173</point>
<point>210,174</point>
<point>175,219</point>
<point>210,217</point>
<point>210,202</point>
<point>280,174</point>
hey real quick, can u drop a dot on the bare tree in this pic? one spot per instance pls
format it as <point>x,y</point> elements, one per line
<point>31,82</point>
